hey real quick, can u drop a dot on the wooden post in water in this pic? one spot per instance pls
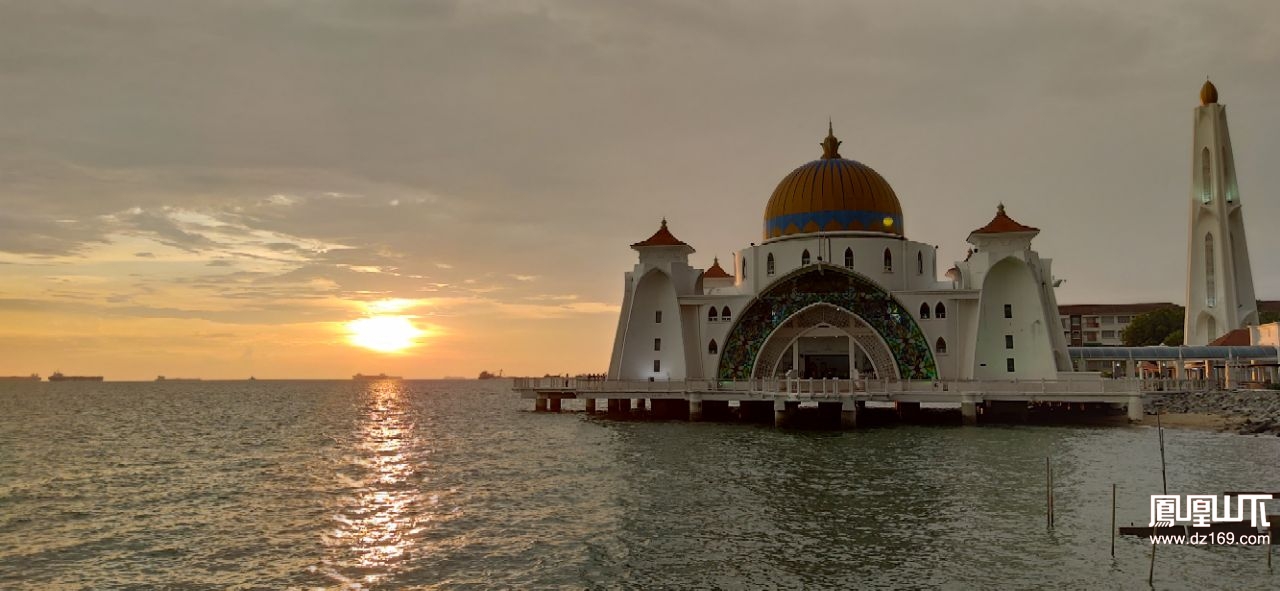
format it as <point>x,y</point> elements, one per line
<point>1151,572</point>
<point>1164,480</point>
<point>1164,483</point>
<point>1113,520</point>
<point>1048,493</point>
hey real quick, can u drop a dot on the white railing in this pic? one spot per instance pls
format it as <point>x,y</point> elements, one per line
<point>1084,384</point>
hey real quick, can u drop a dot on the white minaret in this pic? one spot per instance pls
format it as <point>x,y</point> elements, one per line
<point>1220,294</point>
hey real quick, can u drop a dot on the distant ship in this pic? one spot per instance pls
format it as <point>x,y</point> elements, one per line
<point>35,377</point>
<point>164,379</point>
<point>31,378</point>
<point>485,375</point>
<point>58,377</point>
<point>381,376</point>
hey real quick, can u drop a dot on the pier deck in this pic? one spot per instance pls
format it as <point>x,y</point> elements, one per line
<point>785,394</point>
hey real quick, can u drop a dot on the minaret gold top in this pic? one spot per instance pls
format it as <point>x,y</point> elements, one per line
<point>1208,93</point>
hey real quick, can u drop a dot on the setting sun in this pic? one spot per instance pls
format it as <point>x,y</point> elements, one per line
<point>387,334</point>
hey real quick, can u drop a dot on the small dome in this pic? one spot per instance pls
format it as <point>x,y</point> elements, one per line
<point>832,194</point>
<point>1208,93</point>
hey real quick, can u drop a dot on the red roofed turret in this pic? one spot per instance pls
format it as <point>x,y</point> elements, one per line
<point>663,237</point>
<point>1003,224</point>
<point>716,271</point>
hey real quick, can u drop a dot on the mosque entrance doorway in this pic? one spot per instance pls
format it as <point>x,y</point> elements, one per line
<point>824,341</point>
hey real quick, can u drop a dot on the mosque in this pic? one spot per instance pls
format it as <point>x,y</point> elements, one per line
<point>835,289</point>
<point>836,308</point>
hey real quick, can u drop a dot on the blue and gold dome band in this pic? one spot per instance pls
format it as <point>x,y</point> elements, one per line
<point>833,221</point>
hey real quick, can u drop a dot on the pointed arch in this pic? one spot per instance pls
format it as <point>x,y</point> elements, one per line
<point>924,311</point>
<point>804,257</point>
<point>725,315</point>
<point>712,348</point>
<point>893,323</point>
<point>940,311</point>
<point>940,346</point>
<point>1226,175</point>
<point>768,265</point>
<point>888,260</point>
<point>712,315</point>
<point>919,262</point>
<point>1210,292</point>
<point>848,257</point>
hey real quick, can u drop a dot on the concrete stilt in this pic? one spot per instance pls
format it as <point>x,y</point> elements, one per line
<point>779,413</point>
<point>1135,408</point>
<point>848,414</point>
<point>555,404</point>
<point>540,405</point>
<point>695,408</point>
<point>969,410</point>
<point>591,405</point>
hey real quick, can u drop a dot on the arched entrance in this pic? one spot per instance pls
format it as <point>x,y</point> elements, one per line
<point>824,341</point>
<point>836,295</point>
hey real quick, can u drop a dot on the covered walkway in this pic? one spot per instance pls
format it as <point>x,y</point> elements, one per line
<point>1229,366</point>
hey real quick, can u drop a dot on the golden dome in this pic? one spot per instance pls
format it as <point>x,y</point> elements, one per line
<point>1208,93</point>
<point>832,194</point>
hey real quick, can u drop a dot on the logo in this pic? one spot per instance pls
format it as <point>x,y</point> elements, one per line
<point>1202,510</point>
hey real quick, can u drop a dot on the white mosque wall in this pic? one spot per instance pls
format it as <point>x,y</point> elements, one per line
<point>911,265</point>
<point>653,331</point>
<point>1012,325</point>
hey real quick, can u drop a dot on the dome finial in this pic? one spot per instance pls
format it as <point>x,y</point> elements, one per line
<point>664,221</point>
<point>830,145</point>
<point>1000,208</point>
<point>1208,93</point>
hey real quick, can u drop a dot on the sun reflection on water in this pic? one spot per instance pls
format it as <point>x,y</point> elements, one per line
<point>377,524</point>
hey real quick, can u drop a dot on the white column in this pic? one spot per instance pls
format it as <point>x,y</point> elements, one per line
<point>1135,408</point>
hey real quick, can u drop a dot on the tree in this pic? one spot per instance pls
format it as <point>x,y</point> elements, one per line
<point>1155,327</point>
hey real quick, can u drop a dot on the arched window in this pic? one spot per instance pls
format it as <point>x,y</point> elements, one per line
<point>919,263</point>
<point>1228,176</point>
<point>848,257</point>
<point>924,311</point>
<point>888,260</point>
<point>1210,298</point>
<point>712,348</point>
<point>744,268</point>
<point>768,265</point>
<point>940,311</point>
<point>724,314</point>
<point>1206,176</point>
<point>711,314</point>
<point>804,257</point>
<point>940,346</point>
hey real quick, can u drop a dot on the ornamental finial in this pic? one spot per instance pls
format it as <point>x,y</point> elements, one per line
<point>1208,93</point>
<point>830,145</point>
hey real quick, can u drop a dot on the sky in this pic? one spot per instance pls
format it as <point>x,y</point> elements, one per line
<point>220,189</point>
